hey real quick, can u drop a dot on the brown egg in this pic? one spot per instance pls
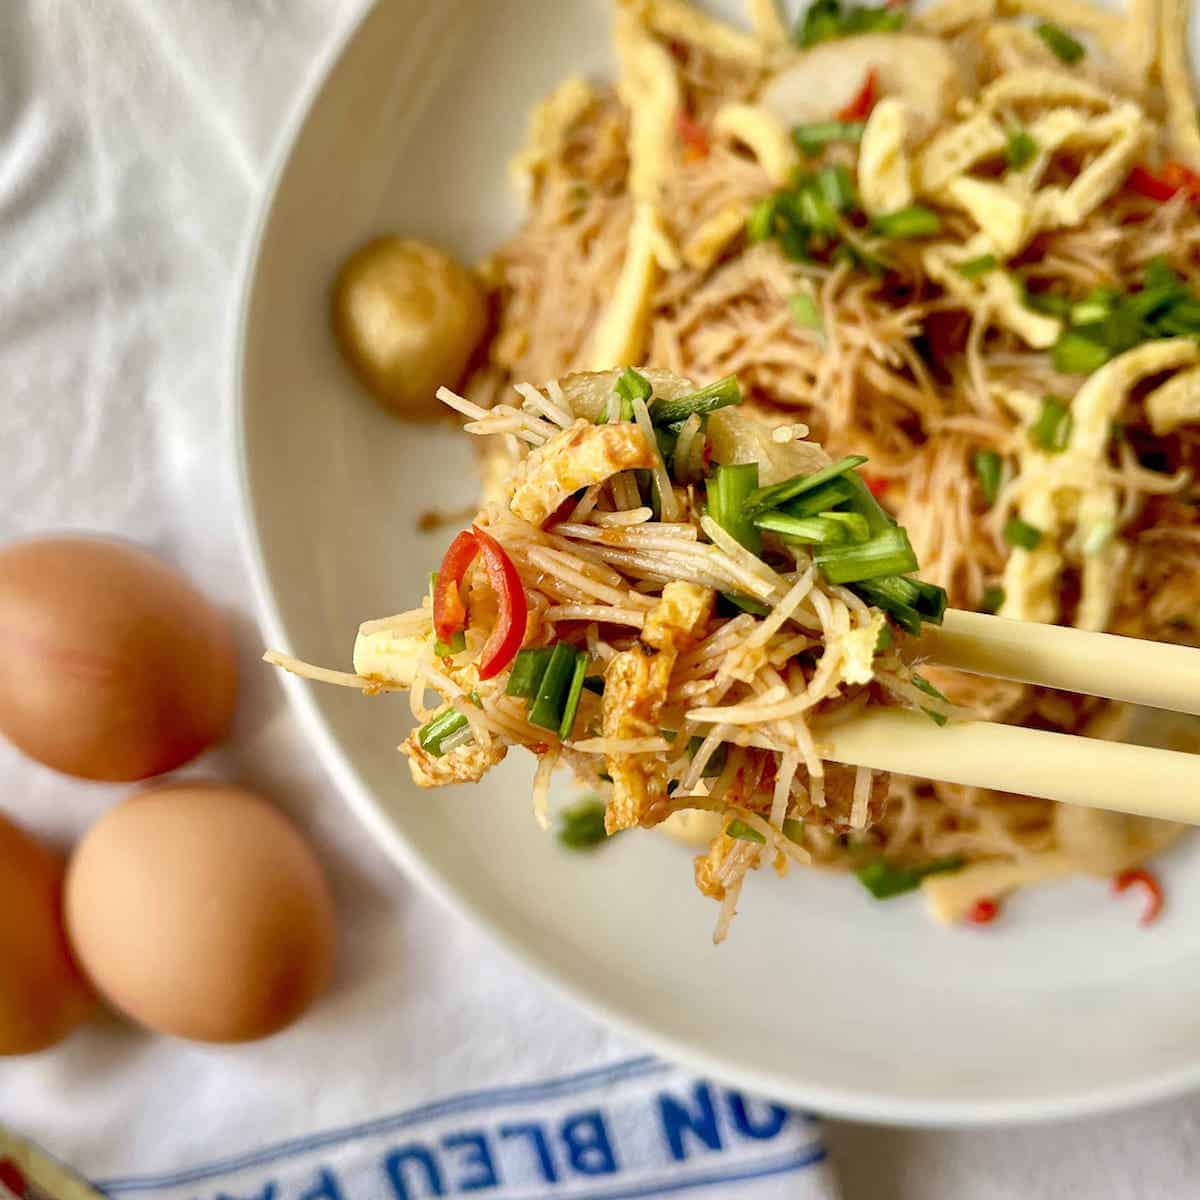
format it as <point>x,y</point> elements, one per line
<point>42,995</point>
<point>112,665</point>
<point>199,911</point>
<point>407,317</point>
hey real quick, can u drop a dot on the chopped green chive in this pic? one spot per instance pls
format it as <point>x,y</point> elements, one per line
<point>923,685</point>
<point>1095,307</point>
<point>760,224</point>
<point>549,704</point>
<point>1063,45</point>
<point>973,268</point>
<point>574,691</point>
<point>717,395</point>
<point>581,827</point>
<point>992,600</point>
<point>528,667</point>
<point>793,830</point>
<point>821,499</point>
<point>988,470</point>
<point>812,138</point>
<point>885,880</point>
<point>1076,353</point>
<point>836,186</point>
<point>805,312</point>
<point>633,385</point>
<point>1021,534</point>
<point>884,640</point>
<point>914,221</point>
<point>433,735</point>
<point>729,489</point>
<point>1019,149</point>
<point>745,603</point>
<point>1052,430</point>
<point>780,493</point>
<point>742,832</point>
<point>855,524</point>
<point>887,553</point>
<point>811,530</point>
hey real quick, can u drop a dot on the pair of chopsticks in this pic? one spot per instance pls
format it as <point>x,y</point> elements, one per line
<point>1032,762</point>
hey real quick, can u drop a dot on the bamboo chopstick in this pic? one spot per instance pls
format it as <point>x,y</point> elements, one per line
<point>1030,762</point>
<point>1153,674</point>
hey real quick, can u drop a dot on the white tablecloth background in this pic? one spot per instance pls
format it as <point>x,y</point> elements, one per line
<point>134,136</point>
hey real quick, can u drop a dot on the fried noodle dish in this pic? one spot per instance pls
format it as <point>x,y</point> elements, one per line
<point>809,331</point>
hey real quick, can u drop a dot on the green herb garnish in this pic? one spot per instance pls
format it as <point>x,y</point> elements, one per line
<point>581,827</point>
<point>914,221</point>
<point>1052,430</point>
<point>729,489</point>
<point>1021,534</point>
<point>973,268</point>
<point>1064,46</point>
<point>988,470</point>
<point>884,879</point>
<point>1019,149</point>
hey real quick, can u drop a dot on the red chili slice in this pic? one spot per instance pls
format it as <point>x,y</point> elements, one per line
<point>1180,177</point>
<point>1153,187</point>
<point>859,109</point>
<point>1149,884</point>
<point>509,631</point>
<point>877,485</point>
<point>983,912</point>
<point>449,612</point>
<point>692,135</point>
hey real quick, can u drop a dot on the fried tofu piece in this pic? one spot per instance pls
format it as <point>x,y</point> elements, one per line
<point>635,690</point>
<point>579,456</point>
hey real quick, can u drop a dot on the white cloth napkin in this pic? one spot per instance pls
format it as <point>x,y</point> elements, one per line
<point>134,137</point>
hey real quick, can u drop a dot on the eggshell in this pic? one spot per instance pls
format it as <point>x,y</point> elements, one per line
<point>42,994</point>
<point>112,665</point>
<point>199,911</point>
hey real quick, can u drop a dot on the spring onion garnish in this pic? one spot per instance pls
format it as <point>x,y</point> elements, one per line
<point>854,524</point>
<point>805,312</point>
<point>884,640</point>
<point>821,499</point>
<point>1052,430</point>
<point>1021,534</point>
<point>433,735</point>
<point>923,685</point>
<point>458,642</point>
<point>721,394</point>
<point>780,493</point>
<point>1095,307</point>
<point>745,604</point>
<point>760,224</point>
<point>742,832</point>
<point>887,553</point>
<point>988,470</point>
<point>826,19</point>
<point>1063,45</point>
<point>884,879</point>
<point>1019,148</point>
<point>793,830</point>
<point>914,221</point>
<point>716,761</point>
<point>729,489</point>
<point>812,138</point>
<point>574,691</point>
<point>581,827</point>
<point>633,385</point>
<point>974,268</point>
<point>810,530</point>
<point>907,601</point>
<point>550,702</point>
<point>527,670</point>
<point>1079,353</point>
<point>992,600</point>
<point>837,187</point>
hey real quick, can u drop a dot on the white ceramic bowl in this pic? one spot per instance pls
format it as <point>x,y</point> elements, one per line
<point>821,996</point>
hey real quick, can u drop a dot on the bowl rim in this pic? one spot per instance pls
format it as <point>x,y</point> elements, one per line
<point>843,1103</point>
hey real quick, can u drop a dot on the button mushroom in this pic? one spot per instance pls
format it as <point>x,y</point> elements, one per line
<point>407,318</point>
